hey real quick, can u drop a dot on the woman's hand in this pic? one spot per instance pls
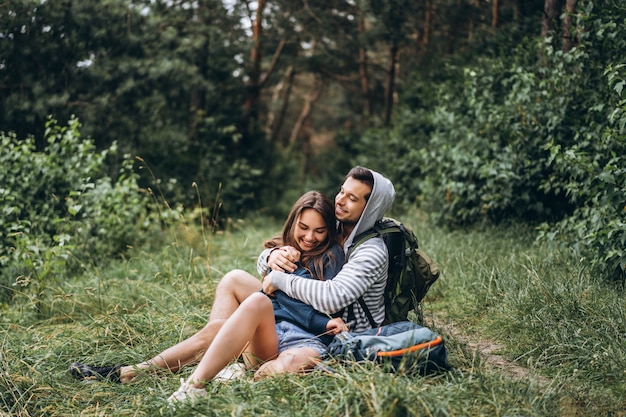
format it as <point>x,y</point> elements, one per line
<point>268,288</point>
<point>336,326</point>
<point>283,259</point>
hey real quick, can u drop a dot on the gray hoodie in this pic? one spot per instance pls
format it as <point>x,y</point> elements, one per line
<point>363,275</point>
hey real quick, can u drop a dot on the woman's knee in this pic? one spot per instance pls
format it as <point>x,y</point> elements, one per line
<point>239,283</point>
<point>231,278</point>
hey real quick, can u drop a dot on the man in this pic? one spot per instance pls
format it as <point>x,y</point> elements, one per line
<point>364,197</point>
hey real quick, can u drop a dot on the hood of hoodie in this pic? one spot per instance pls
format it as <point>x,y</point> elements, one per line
<point>381,199</point>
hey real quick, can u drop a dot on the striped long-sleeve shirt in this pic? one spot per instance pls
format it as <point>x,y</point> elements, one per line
<point>364,275</point>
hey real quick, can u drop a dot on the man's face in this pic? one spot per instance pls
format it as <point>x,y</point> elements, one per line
<point>350,201</point>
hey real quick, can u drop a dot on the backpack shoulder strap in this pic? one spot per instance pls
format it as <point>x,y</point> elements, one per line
<point>367,312</point>
<point>362,237</point>
<point>376,231</point>
<point>359,239</point>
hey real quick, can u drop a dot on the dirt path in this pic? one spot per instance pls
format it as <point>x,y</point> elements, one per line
<point>485,348</point>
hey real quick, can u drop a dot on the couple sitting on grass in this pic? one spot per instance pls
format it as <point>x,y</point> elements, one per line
<point>308,294</point>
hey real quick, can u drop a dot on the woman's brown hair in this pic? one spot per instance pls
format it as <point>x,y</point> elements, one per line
<point>313,260</point>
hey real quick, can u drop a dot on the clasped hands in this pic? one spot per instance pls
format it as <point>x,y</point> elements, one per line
<point>281,259</point>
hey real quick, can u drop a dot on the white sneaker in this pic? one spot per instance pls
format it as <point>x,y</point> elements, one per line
<point>186,393</point>
<point>231,372</point>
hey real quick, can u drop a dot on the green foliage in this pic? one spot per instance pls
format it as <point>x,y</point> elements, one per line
<point>395,153</point>
<point>159,78</point>
<point>486,158</point>
<point>59,209</point>
<point>531,134</point>
<point>592,172</point>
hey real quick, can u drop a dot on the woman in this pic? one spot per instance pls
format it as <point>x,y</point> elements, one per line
<point>279,334</point>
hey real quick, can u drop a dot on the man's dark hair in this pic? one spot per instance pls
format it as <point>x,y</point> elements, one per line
<point>364,175</point>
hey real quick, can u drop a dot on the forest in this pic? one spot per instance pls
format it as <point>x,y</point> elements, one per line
<point>122,120</point>
<point>484,112</point>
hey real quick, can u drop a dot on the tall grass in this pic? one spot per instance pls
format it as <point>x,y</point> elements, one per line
<point>543,308</point>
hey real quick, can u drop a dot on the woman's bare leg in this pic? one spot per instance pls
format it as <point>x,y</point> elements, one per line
<point>231,291</point>
<point>252,328</point>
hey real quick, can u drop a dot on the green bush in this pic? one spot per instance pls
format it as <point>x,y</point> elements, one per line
<point>534,135</point>
<point>60,212</point>
<point>593,173</point>
<point>487,157</point>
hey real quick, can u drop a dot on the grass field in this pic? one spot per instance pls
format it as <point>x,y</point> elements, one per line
<point>543,310</point>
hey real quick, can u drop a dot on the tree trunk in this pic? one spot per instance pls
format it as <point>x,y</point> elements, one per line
<point>195,105</point>
<point>196,99</point>
<point>518,10</point>
<point>305,113</point>
<point>427,23</point>
<point>282,94</point>
<point>391,77</point>
<point>367,106</point>
<point>551,13</point>
<point>495,11</point>
<point>307,153</point>
<point>253,89</point>
<point>301,131</point>
<point>568,40</point>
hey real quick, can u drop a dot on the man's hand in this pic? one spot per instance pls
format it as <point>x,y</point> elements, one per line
<point>336,326</point>
<point>283,259</point>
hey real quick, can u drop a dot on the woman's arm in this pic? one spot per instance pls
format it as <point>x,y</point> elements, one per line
<point>302,314</point>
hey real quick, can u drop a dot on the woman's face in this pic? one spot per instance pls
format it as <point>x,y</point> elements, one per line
<point>309,230</point>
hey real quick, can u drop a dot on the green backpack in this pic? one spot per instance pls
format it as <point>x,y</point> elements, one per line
<point>411,271</point>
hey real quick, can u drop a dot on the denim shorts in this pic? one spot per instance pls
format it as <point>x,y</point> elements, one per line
<point>292,336</point>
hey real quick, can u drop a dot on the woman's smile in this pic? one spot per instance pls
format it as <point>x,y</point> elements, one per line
<point>308,245</point>
<point>310,230</point>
